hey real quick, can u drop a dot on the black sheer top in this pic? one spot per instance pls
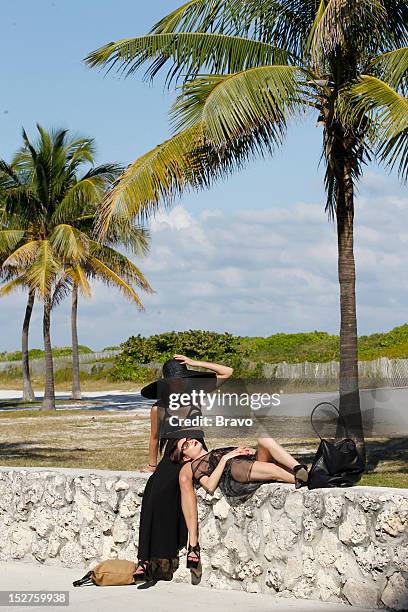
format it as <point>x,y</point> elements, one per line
<point>235,480</point>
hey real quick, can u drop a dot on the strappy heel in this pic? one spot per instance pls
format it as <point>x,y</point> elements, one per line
<point>145,575</point>
<point>193,563</point>
<point>301,475</point>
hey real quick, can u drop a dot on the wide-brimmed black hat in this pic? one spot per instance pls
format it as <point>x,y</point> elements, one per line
<point>173,369</point>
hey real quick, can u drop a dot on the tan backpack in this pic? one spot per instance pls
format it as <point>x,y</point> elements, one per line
<point>112,572</point>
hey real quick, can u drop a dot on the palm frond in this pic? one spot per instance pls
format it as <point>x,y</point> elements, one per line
<point>234,105</point>
<point>318,17</point>
<point>188,52</point>
<point>78,275</point>
<point>121,265</point>
<point>16,283</point>
<point>344,24</point>
<point>109,172</point>
<point>393,152</point>
<point>193,14</point>
<point>155,177</point>
<point>69,243</point>
<point>24,256</point>
<point>387,108</point>
<point>9,239</point>
<point>135,238</point>
<point>283,23</point>
<point>43,270</point>
<point>396,33</point>
<point>86,191</point>
<point>383,114</point>
<point>61,290</point>
<point>392,67</point>
<point>111,278</point>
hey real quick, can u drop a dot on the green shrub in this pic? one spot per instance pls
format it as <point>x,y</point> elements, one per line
<point>128,370</point>
<point>314,346</point>
<point>196,344</point>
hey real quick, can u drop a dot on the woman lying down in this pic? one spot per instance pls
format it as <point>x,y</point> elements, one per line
<point>237,471</point>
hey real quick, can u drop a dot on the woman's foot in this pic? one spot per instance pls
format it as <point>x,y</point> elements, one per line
<point>193,556</point>
<point>142,571</point>
<point>301,475</point>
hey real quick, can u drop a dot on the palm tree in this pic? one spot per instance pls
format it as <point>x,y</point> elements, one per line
<point>134,238</point>
<point>122,270</point>
<point>10,181</point>
<point>42,248</point>
<point>266,61</point>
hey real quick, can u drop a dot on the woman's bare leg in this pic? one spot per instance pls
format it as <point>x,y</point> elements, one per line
<point>269,449</point>
<point>262,470</point>
<point>189,505</point>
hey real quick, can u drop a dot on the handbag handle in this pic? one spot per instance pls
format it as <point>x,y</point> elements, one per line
<point>87,579</point>
<point>336,409</point>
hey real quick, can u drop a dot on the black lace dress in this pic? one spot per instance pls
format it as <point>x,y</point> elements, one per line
<point>163,531</point>
<point>235,479</point>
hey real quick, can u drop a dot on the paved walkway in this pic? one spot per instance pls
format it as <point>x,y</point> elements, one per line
<point>164,597</point>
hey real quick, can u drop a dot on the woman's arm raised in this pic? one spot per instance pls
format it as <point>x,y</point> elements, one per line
<point>221,371</point>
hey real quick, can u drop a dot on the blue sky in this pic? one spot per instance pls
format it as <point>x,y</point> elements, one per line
<point>279,287</point>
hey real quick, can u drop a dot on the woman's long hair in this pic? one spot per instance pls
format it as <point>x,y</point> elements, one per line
<point>163,403</point>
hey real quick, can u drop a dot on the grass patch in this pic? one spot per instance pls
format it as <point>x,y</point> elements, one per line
<point>385,479</point>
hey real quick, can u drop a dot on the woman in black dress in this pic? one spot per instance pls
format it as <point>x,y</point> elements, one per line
<point>162,530</point>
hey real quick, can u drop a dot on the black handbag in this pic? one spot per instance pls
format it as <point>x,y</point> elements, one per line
<point>335,464</point>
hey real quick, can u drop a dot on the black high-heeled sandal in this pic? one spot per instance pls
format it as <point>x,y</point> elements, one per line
<point>193,563</point>
<point>301,475</point>
<point>145,575</point>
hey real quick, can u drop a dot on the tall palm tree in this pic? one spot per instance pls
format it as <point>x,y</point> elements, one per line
<point>42,248</point>
<point>133,237</point>
<point>136,239</point>
<point>9,180</point>
<point>266,61</point>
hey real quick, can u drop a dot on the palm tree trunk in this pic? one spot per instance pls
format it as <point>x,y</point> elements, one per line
<point>76,382</point>
<point>348,380</point>
<point>28,393</point>
<point>49,391</point>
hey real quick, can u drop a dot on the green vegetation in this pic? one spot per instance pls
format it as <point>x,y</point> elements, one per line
<point>314,346</point>
<point>58,351</point>
<point>241,351</point>
<point>245,353</point>
<point>197,344</point>
<point>320,347</point>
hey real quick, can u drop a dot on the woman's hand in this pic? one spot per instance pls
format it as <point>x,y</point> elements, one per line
<point>184,359</point>
<point>147,468</point>
<point>242,450</point>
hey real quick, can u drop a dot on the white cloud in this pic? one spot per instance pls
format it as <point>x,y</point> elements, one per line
<point>250,272</point>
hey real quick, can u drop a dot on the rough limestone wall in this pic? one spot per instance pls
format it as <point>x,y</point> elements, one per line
<point>337,545</point>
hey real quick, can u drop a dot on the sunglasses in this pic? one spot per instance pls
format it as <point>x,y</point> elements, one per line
<point>185,444</point>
